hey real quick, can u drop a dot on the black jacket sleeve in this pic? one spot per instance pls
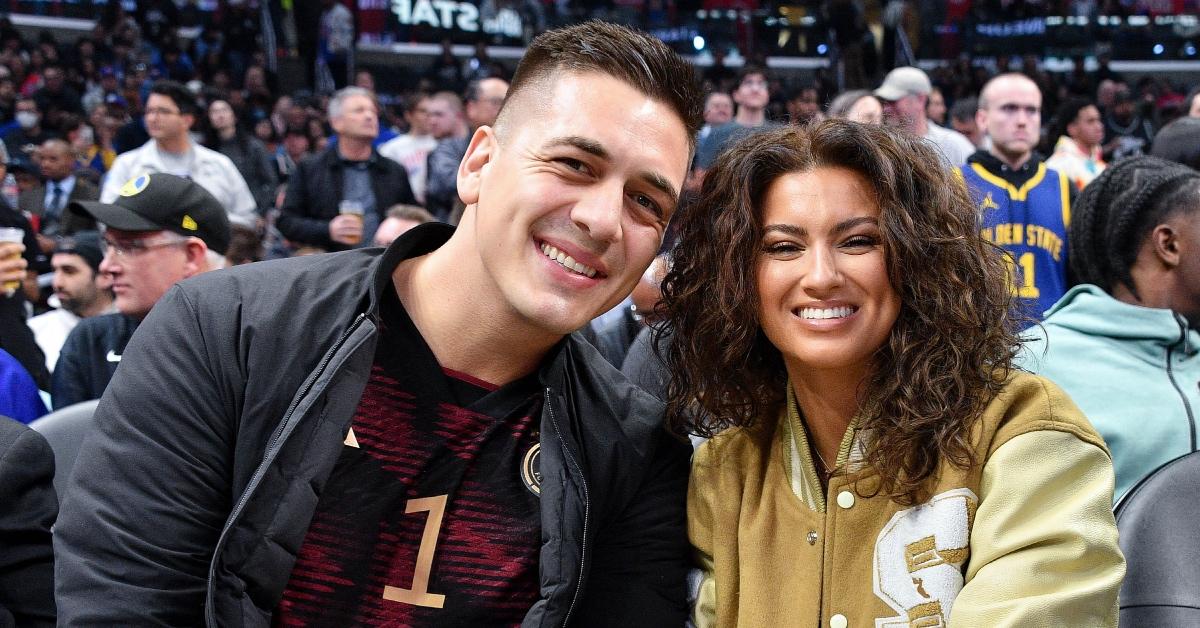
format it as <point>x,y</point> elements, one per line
<point>638,574</point>
<point>151,487</point>
<point>28,506</point>
<point>295,221</point>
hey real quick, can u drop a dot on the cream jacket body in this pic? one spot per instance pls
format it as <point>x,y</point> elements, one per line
<point>1024,538</point>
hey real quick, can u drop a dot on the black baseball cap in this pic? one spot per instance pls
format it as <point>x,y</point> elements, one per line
<point>85,244</point>
<point>159,201</point>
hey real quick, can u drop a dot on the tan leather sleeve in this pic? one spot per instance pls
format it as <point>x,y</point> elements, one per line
<point>1044,542</point>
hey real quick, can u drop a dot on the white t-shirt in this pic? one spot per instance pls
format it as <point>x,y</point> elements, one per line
<point>50,331</point>
<point>411,152</point>
<point>954,147</point>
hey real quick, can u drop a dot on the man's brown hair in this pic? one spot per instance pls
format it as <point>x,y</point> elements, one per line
<point>642,61</point>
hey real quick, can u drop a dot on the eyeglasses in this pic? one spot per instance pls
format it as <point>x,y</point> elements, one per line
<point>134,247</point>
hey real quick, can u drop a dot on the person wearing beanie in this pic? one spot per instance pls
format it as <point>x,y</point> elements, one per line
<point>1179,141</point>
<point>161,229</point>
<point>1123,343</point>
<point>81,289</point>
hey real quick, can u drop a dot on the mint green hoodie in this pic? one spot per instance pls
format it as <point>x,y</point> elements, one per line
<point>1134,371</point>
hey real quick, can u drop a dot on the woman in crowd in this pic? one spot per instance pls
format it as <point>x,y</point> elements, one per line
<point>842,332</point>
<point>247,153</point>
<point>1123,343</point>
<point>858,105</point>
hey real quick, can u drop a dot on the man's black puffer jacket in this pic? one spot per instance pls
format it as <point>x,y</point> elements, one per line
<point>191,499</point>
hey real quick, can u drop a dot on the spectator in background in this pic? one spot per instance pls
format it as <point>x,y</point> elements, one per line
<point>160,230</point>
<point>1179,142</point>
<point>400,218</point>
<point>81,289</point>
<point>15,336</point>
<point>60,187</point>
<point>1191,103</point>
<point>804,104</point>
<point>752,95</point>
<point>935,107</point>
<point>1025,206</point>
<point>294,148</point>
<point>171,111</point>
<point>336,199</point>
<point>1079,132</point>
<point>412,149</point>
<point>1126,132</point>
<point>1122,343</point>
<point>56,97</point>
<point>858,105</point>
<point>962,119</point>
<point>335,44</point>
<point>247,153</point>
<point>29,134</point>
<point>718,110</point>
<point>483,99</point>
<point>904,94</point>
<point>98,154</point>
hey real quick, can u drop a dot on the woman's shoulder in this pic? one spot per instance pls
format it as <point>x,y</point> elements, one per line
<point>1028,403</point>
<point>742,444</point>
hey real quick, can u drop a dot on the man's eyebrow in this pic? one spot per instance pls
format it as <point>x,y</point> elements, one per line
<point>587,145</point>
<point>661,184</point>
<point>592,147</point>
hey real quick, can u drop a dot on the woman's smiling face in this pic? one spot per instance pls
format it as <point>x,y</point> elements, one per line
<point>825,300</point>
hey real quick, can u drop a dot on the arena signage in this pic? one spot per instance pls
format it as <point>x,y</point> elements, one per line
<point>462,16</point>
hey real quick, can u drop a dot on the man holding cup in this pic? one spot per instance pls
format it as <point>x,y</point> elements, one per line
<point>336,199</point>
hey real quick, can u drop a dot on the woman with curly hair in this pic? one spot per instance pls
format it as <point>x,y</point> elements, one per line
<point>843,334</point>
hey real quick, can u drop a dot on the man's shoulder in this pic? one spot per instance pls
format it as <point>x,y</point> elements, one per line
<point>53,318</point>
<point>105,324</point>
<point>206,154</point>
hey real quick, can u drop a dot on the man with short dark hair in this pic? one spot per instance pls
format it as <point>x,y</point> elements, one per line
<point>482,104</point>
<point>81,289</point>
<point>60,187</point>
<point>752,95</point>
<point>161,229</point>
<point>170,112</point>
<point>414,436</point>
<point>336,199</point>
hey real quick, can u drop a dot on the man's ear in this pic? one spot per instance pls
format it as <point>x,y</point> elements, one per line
<point>197,257</point>
<point>480,153</point>
<point>1164,240</point>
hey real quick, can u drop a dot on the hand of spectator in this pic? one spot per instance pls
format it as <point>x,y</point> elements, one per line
<point>346,229</point>
<point>12,266</point>
<point>47,244</point>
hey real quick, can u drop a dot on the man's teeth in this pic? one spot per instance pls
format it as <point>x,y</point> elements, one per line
<point>822,313</point>
<point>568,262</point>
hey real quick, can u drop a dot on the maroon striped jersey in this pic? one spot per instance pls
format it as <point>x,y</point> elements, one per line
<point>431,514</point>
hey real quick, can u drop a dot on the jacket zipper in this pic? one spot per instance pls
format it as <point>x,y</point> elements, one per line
<point>269,455</point>
<point>586,507</point>
<point>1171,376</point>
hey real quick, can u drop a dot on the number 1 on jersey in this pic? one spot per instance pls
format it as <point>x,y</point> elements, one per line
<point>419,594</point>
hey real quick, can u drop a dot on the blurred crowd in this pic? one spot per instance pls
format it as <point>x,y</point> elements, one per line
<point>341,165</point>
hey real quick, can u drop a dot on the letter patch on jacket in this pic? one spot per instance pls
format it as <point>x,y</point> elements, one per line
<point>919,556</point>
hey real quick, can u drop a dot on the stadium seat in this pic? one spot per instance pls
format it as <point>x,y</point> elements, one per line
<point>64,429</point>
<point>1159,537</point>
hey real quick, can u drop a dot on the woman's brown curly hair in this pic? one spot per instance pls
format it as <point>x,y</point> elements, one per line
<point>948,353</point>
